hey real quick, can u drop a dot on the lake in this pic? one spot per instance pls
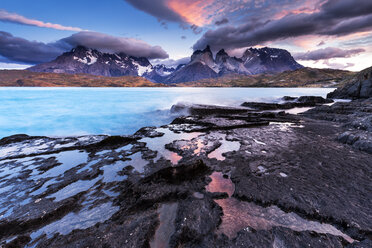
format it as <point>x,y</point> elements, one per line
<point>82,111</point>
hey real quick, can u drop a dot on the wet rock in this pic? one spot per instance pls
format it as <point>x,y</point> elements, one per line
<point>358,139</point>
<point>100,191</point>
<point>16,138</point>
<point>20,241</point>
<point>149,132</point>
<point>179,174</point>
<point>284,237</point>
<point>192,226</point>
<point>355,115</point>
<point>198,109</point>
<point>317,169</point>
<point>114,141</point>
<point>290,102</point>
<point>366,243</point>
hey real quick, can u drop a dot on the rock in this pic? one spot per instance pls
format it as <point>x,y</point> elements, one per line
<point>312,171</point>
<point>199,109</point>
<point>290,102</point>
<point>14,138</point>
<point>355,87</point>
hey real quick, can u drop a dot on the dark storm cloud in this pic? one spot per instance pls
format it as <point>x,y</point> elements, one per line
<point>113,44</point>
<point>157,8</point>
<point>222,22</point>
<point>327,53</point>
<point>335,18</point>
<point>17,49</point>
<point>21,50</point>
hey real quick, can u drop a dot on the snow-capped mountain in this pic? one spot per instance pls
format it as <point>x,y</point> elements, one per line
<point>85,60</point>
<point>254,61</point>
<point>202,64</point>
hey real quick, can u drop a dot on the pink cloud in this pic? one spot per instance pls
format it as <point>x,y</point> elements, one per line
<point>15,18</point>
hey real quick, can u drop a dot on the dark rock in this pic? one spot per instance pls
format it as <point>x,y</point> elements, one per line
<point>14,139</point>
<point>179,174</point>
<point>20,241</point>
<point>198,109</point>
<point>310,100</point>
<point>291,102</point>
<point>366,243</point>
<point>358,86</point>
<point>114,141</point>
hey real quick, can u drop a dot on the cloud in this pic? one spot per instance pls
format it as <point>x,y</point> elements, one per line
<point>12,66</point>
<point>20,50</point>
<point>332,18</point>
<point>17,49</point>
<point>157,8</point>
<point>327,53</point>
<point>171,62</point>
<point>113,44</point>
<point>338,65</point>
<point>206,12</point>
<point>222,22</point>
<point>321,43</point>
<point>18,19</point>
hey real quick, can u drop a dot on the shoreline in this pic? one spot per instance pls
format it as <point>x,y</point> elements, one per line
<point>266,157</point>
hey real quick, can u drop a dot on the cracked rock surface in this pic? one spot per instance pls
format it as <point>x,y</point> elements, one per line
<point>215,177</point>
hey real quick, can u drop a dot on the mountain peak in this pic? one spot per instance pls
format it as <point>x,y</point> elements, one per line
<point>79,48</point>
<point>207,49</point>
<point>222,52</point>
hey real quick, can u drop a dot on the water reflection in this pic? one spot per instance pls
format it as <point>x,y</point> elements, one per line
<point>239,215</point>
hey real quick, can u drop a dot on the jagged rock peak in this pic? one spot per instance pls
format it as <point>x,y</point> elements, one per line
<point>222,52</point>
<point>207,49</point>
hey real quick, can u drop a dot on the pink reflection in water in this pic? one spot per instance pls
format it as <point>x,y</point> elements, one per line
<point>239,215</point>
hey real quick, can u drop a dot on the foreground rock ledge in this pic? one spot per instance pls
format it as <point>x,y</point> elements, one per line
<point>302,179</point>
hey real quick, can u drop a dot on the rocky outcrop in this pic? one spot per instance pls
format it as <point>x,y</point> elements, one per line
<point>289,102</point>
<point>221,177</point>
<point>358,86</point>
<point>356,116</point>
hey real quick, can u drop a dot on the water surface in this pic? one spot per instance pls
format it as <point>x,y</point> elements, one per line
<point>80,111</point>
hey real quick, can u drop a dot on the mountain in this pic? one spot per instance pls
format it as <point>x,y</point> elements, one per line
<point>202,65</point>
<point>90,61</point>
<point>254,61</point>
<point>354,87</point>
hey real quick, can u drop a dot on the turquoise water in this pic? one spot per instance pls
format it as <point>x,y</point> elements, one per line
<point>81,111</point>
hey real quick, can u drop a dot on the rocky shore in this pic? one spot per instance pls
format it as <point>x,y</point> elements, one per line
<point>253,176</point>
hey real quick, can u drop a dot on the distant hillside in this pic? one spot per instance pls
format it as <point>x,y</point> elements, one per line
<point>304,77</point>
<point>40,79</point>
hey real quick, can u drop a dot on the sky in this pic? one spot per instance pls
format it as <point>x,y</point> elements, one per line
<point>318,33</point>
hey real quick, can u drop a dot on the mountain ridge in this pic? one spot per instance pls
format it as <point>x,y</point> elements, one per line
<point>202,64</point>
